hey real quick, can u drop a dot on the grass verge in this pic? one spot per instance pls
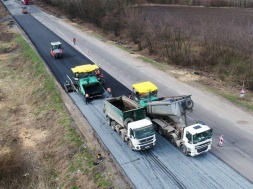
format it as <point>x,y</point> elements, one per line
<point>40,146</point>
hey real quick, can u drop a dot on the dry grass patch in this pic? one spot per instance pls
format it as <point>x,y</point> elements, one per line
<point>40,148</point>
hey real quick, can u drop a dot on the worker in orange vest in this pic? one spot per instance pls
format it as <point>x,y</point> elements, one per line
<point>97,72</point>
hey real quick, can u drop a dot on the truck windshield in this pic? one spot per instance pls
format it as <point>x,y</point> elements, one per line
<point>200,137</point>
<point>148,96</point>
<point>56,47</point>
<point>144,132</point>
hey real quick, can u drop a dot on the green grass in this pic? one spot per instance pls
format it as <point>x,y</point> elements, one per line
<point>123,48</point>
<point>101,181</point>
<point>74,137</point>
<point>99,37</point>
<point>50,99</point>
<point>237,100</point>
<point>158,65</point>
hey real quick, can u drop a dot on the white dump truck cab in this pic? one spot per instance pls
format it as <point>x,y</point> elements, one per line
<point>141,135</point>
<point>197,139</point>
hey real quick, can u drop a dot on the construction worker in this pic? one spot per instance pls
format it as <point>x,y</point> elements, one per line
<point>97,72</point>
<point>87,98</point>
<point>109,90</point>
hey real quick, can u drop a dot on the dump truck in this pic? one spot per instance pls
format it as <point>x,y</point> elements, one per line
<point>85,81</point>
<point>166,115</point>
<point>129,119</point>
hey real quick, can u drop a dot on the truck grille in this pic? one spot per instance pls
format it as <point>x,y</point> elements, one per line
<point>147,146</point>
<point>202,147</point>
<point>146,140</point>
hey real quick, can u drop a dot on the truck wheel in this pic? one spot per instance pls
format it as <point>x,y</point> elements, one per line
<point>155,126</point>
<point>130,145</point>
<point>109,120</point>
<point>189,103</point>
<point>122,135</point>
<point>127,120</point>
<point>160,130</point>
<point>113,126</point>
<point>184,150</point>
<point>172,140</point>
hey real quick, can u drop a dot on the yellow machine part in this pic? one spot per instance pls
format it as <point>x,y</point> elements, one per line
<point>84,68</point>
<point>145,87</point>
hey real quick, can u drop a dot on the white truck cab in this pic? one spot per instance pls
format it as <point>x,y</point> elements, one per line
<point>141,134</point>
<point>197,139</point>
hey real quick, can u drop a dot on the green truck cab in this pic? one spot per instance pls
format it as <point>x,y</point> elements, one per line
<point>129,119</point>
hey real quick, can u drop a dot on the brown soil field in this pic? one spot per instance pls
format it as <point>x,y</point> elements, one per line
<point>191,13</point>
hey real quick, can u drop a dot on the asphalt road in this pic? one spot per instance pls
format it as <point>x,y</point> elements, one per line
<point>38,32</point>
<point>164,166</point>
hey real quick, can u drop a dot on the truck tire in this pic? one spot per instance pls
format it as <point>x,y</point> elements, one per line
<point>155,126</point>
<point>189,104</point>
<point>113,127</point>
<point>172,140</point>
<point>130,145</point>
<point>122,135</point>
<point>184,150</point>
<point>108,120</point>
<point>160,130</point>
<point>128,120</point>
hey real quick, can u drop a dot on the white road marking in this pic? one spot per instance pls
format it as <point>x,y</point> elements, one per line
<point>241,152</point>
<point>190,117</point>
<point>205,107</point>
<point>221,117</point>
